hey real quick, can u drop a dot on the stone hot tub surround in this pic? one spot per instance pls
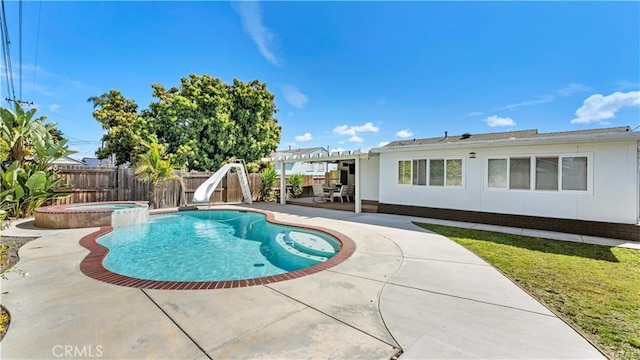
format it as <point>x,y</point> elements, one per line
<point>96,214</point>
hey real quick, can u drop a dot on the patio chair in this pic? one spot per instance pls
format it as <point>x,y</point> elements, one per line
<point>341,193</point>
<point>319,192</point>
<point>351,193</point>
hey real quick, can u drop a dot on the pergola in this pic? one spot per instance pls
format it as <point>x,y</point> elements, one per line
<point>354,155</point>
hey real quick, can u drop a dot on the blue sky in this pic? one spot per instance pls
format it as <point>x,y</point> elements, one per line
<point>345,75</point>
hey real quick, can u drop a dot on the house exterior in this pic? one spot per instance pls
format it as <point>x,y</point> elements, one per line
<point>65,160</point>
<point>305,168</point>
<point>583,182</point>
<point>92,161</point>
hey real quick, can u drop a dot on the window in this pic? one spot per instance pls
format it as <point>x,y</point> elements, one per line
<point>419,172</point>
<point>546,173</point>
<point>497,173</point>
<point>520,173</point>
<point>310,167</point>
<point>454,172</point>
<point>404,172</point>
<point>436,172</point>
<point>574,173</point>
<point>432,172</point>
<point>320,167</point>
<point>445,172</point>
<point>551,173</point>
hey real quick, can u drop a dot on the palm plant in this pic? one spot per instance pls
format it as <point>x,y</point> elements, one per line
<point>153,168</point>
<point>268,178</point>
<point>296,181</point>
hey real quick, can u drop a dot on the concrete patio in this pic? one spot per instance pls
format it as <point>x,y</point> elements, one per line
<point>403,289</point>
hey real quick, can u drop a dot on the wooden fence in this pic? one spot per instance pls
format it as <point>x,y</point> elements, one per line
<point>91,184</point>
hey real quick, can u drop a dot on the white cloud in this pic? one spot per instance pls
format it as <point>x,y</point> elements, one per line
<point>538,100</point>
<point>304,137</point>
<point>54,107</point>
<point>383,143</point>
<point>542,99</point>
<point>495,121</point>
<point>475,113</point>
<point>251,15</point>
<point>46,83</point>
<point>627,85</point>
<point>598,107</point>
<point>572,89</point>
<point>337,149</point>
<point>404,133</point>
<point>352,130</point>
<point>343,130</point>
<point>294,97</point>
<point>367,127</point>
<point>341,142</point>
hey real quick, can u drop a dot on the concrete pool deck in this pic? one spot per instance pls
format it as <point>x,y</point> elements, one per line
<point>403,288</point>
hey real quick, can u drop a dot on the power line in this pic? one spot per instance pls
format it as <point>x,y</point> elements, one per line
<point>6,52</point>
<point>76,141</point>
<point>35,63</point>
<point>69,119</point>
<point>20,47</point>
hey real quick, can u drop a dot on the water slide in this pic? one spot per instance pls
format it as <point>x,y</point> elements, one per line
<point>204,191</point>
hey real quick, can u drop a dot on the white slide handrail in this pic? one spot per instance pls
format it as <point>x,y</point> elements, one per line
<point>204,191</point>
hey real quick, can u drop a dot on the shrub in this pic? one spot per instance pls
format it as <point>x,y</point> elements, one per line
<point>268,177</point>
<point>28,188</point>
<point>296,181</point>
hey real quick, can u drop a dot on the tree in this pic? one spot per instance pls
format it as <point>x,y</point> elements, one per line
<point>126,128</point>
<point>156,169</point>
<point>206,121</point>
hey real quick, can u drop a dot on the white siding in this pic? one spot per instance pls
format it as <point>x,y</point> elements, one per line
<point>369,181</point>
<point>613,196</point>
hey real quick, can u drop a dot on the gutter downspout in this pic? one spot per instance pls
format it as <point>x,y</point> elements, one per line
<point>283,187</point>
<point>358,200</point>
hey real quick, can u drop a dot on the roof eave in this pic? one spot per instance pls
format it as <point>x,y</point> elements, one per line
<point>591,138</point>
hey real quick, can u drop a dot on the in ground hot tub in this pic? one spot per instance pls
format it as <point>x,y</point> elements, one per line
<point>71,216</point>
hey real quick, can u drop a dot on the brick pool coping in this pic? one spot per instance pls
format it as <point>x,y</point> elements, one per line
<point>92,266</point>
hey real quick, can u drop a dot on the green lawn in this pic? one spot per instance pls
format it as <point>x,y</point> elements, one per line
<point>595,288</point>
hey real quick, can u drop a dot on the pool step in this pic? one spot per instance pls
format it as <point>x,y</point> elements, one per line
<point>310,243</point>
<point>287,244</point>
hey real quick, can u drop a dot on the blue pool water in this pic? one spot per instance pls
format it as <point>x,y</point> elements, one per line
<point>213,246</point>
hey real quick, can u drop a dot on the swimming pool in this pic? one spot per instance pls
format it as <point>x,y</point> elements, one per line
<point>197,246</point>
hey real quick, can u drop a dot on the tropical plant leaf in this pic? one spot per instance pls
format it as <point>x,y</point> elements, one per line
<point>37,181</point>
